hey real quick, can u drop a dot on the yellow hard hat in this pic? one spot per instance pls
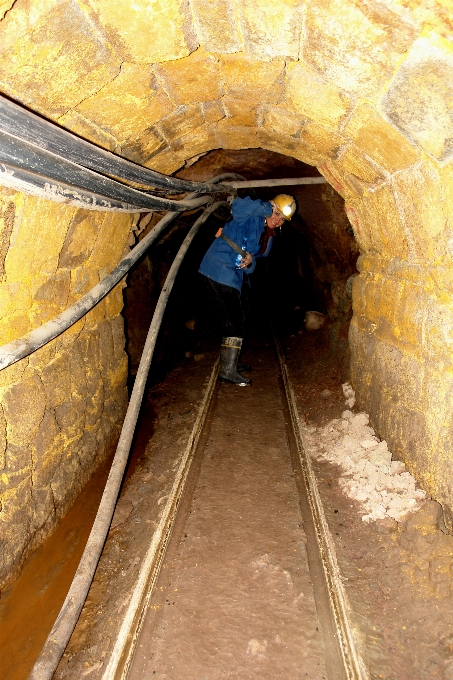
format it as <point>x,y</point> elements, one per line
<point>286,205</point>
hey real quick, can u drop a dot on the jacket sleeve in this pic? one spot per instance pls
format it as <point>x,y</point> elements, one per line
<point>243,208</point>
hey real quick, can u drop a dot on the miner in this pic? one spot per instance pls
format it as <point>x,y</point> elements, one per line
<point>247,235</point>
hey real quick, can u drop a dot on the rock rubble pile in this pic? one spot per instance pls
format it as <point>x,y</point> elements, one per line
<point>369,475</point>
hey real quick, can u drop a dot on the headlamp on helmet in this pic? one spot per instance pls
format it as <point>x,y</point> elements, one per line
<point>286,205</point>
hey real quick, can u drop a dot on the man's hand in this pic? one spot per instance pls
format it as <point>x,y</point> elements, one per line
<point>246,261</point>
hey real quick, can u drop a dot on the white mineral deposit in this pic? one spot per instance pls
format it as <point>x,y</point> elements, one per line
<point>368,474</point>
<point>314,320</point>
<point>349,394</point>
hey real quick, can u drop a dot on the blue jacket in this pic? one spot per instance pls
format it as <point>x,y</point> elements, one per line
<point>248,222</point>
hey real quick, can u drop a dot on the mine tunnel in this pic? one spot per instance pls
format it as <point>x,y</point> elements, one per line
<point>298,527</point>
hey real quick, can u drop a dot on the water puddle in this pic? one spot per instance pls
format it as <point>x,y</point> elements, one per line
<point>28,609</point>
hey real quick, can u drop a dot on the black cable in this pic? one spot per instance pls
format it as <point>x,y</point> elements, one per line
<point>18,121</point>
<point>23,155</point>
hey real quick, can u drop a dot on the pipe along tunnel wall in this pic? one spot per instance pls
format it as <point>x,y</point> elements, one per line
<point>362,92</point>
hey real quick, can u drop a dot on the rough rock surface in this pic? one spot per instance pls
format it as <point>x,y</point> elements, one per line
<point>369,475</point>
<point>60,408</point>
<point>397,574</point>
<point>360,90</point>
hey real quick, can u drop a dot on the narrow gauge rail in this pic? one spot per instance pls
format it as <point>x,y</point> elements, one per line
<point>234,434</point>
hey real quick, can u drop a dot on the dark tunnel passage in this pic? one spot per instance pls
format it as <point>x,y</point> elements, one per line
<point>298,528</point>
<point>310,263</point>
<point>311,260</point>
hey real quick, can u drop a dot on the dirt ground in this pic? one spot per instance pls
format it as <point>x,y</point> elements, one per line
<point>237,598</point>
<point>397,575</point>
<point>166,421</point>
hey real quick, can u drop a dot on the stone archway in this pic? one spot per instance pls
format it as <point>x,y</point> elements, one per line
<point>361,90</point>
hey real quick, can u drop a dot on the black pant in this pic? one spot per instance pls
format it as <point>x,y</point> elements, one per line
<point>229,305</point>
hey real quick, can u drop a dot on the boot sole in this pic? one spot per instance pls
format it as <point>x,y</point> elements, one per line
<point>231,382</point>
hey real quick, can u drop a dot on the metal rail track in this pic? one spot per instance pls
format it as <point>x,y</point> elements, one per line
<point>343,656</point>
<point>183,486</point>
<point>343,660</point>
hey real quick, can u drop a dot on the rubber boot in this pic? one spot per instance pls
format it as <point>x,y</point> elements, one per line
<point>229,354</point>
<point>243,368</point>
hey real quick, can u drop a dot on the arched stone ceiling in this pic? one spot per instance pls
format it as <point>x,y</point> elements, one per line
<point>365,84</point>
<point>362,90</point>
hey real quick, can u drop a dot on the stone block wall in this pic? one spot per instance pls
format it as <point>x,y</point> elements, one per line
<point>402,332</point>
<point>61,408</point>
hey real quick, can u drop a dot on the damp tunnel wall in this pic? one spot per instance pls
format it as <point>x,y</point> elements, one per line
<point>362,91</point>
<point>62,407</point>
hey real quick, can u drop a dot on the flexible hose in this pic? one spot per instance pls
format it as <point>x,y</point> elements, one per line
<point>27,344</point>
<point>18,154</point>
<point>61,632</point>
<point>17,121</point>
<point>42,187</point>
<point>23,347</point>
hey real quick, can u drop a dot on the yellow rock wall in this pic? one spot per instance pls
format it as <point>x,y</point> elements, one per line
<point>362,90</point>
<point>60,408</point>
<point>402,330</point>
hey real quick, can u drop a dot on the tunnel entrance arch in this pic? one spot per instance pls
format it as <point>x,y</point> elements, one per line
<point>310,263</point>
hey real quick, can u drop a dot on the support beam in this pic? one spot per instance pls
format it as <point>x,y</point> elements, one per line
<point>290,181</point>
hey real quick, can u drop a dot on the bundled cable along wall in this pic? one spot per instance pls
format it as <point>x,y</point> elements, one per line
<point>28,344</point>
<point>40,158</point>
<point>63,400</point>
